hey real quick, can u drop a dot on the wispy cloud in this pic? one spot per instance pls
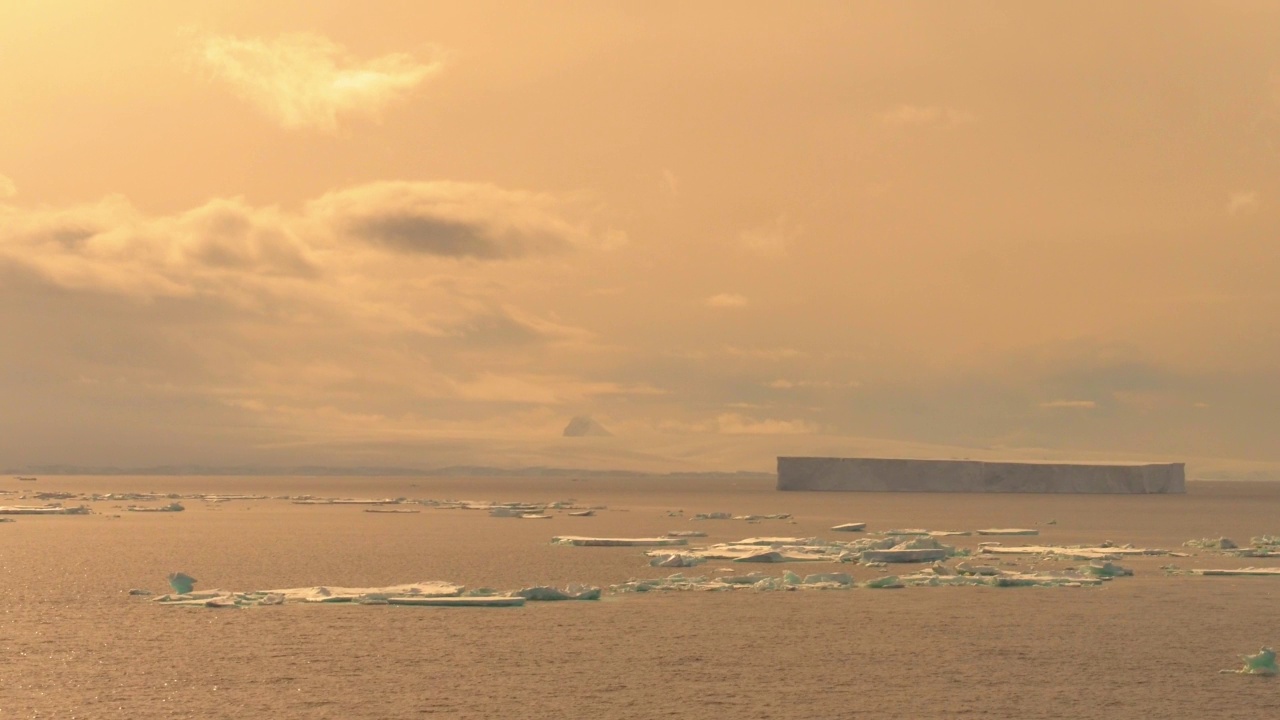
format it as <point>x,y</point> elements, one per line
<point>727,300</point>
<point>304,80</point>
<point>771,240</point>
<point>736,424</point>
<point>7,188</point>
<point>1242,202</point>
<point>919,115</point>
<point>1070,404</point>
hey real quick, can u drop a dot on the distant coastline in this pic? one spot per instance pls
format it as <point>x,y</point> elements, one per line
<point>370,471</point>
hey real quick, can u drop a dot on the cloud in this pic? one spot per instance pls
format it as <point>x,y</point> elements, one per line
<point>1072,404</point>
<point>771,240</point>
<point>670,183</point>
<point>917,115</point>
<point>451,219</point>
<point>303,80</point>
<point>1242,202</point>
<point>783,384</point>
<point>735,424</point>
<point>7,188</point>
<point>726,300</point>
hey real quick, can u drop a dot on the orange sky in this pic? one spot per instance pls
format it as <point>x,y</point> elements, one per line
<point>417,234</point>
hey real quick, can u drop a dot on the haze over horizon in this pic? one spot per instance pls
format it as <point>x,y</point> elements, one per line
<point>404,234</point>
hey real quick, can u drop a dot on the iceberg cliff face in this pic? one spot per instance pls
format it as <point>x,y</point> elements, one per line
<point>891,475</point>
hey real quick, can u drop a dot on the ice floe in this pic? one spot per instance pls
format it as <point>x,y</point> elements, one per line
<point>839,581</point>
<point>616,542</point>
<point>427,593</point>
<point>1007,531</point>
<point>171,507</point>
<point>850,527</point>
<point>43,510</point>
<point>1245,572</point>
<point>1074,552</point>
<point>794,549</point>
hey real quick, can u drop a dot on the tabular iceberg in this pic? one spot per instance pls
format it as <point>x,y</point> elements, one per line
<point>897,475</point>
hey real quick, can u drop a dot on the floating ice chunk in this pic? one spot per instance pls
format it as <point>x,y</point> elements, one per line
<point>582,513</point>
<point>713,516</point>
<point>763,556</point>
<point>139,591</point>
<point>392,511</point>
<point>840,579</point>
<point>543,593</point>
<point>1104,569</point>
<point>850,527</point>
<point>771,541</point>
<point>535,516</point>
<point>616,542</point>
<point>967,569</point>
<point>1219,543</point>
<point>1073,552</point>
<point>1264,663</point>
<point>675,560</point>
<point>916,549</point>
<point>182,583</point>
<point>505,512</point>
<point>1007,531</point>
<point>686,533</point>
<point>904,556</point>
<point>1249,571</point>
<point>887,582</point>
<point>457,601</point>
<point>43,510</point>
<point>171,507</point>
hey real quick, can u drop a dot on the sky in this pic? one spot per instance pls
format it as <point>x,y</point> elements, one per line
<point>420,234</point>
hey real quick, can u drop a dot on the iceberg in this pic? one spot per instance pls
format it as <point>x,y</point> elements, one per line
<point>909,475</point>
<point>1264,663</point>
<point>181,583</point>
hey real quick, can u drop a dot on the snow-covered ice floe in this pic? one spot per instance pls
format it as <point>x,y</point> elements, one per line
<point>935,577</point>
<point>1262,546</point>
<point>617,542</point>
<point>792,549</point>
<point>171,507</point>
<point>1007,531</point>
<point>427,593</point>
<point>850,527</point>
<point>1075,552</point>
<point>43,510</point>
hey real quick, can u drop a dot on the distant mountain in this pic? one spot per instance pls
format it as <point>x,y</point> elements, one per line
<point>583,426</point>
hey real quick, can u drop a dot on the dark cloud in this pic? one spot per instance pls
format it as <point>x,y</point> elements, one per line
<point>433,236</point>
